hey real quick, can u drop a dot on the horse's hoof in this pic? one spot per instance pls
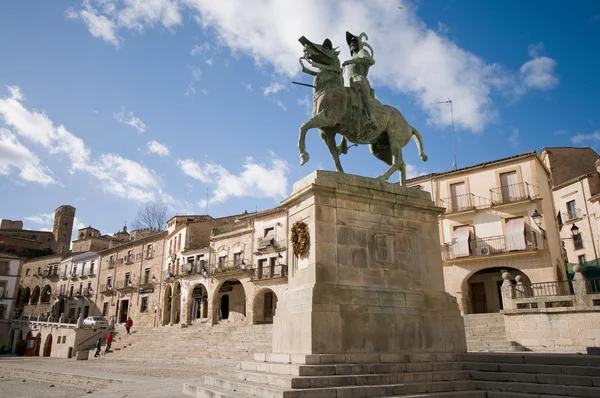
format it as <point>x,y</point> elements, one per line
<point>304,158</point>
<point>424,157</point>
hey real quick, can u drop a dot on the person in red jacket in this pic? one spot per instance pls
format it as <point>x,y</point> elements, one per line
<point>109,339</point>
<point>128,325</point>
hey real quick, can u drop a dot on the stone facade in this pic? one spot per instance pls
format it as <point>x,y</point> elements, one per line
<point>9,271</point>
<point>129,280</point>
<point>38,284</point>
<point>487,228</point>
<point>76,291</point>
<point>64,217</point>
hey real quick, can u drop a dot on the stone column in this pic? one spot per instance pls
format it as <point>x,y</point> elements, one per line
<point>372,281</point>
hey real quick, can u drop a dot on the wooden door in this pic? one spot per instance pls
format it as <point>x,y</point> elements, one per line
<point>478,298</point>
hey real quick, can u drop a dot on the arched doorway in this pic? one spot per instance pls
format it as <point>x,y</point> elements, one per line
<point>265,305</point>
<point>35,296</point>
<point>46,294</point>
<point>27,295</point>
<point>167,306</point>
<point>229,302</point>
<point>38,345</point>
<point>198,303</point>
<point>30,344</point>
<point>485,289</point>
<point>48,346</point>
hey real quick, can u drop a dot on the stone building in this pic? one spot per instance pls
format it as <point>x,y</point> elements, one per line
<point>9,272</point>
<point>75,294</point>
<point>38,282</point>
<point>488,228</point>
<point>90,240</point>
<point>234,277</point>
<point>576,190</point>
<point>129,279</point>
<point>28,243</point>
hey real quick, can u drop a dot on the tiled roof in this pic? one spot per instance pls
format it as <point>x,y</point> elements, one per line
<point>567,163</point>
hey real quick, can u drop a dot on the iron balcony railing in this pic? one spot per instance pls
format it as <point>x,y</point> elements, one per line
<point>107,288</point>
<point>268,272</point>
<point>572,214</point>
<point>221,267</point>
<point>512,193</point>
<point>465,202</point>
<point>125,285</point>
<point>51,273</point>
<point>483,247</point>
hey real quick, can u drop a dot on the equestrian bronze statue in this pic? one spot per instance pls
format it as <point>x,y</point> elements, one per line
<point>353,111</point>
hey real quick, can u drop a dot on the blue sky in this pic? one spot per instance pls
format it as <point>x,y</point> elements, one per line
<point>109,104</point>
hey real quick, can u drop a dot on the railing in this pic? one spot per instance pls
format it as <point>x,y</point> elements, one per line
<point>270,242</point>
<point>465,202</point>
<point>228,266</point>
<point>542,289</point>
<point>125,284</point>
<point>268,272</point>
<point>51,273</point>
<point>105,287</point>
<point>512,193</point>
<point>592,286</point>
<point>571,215</point>
<point>483,247</point>
<point>193,268</point>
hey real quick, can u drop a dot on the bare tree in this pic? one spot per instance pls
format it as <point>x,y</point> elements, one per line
<point>152,216</point>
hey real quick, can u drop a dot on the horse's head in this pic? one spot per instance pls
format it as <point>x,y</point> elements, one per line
<point>323,54</point>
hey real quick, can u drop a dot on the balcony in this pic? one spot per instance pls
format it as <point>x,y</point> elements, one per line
<point>270,243</point>
<point>51,274</point>
<point>485,247</point>
<point>268,272</point>
<point>147,282</point>
<point>125,286</point>
<point>571,215</point>
<point>73,275</point>
<point>194,268</point>
<point>107,289</point>
<point>512,193</point>
<point>465,202</point>
<point>227,268</point>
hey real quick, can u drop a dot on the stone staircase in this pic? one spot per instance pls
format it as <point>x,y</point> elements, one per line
<point>534,375</point>
<point>278,376</point>
<point>193,344</point>
<point>486,332</point>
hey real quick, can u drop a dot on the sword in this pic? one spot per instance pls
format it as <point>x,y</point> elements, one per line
<point>304,84</point>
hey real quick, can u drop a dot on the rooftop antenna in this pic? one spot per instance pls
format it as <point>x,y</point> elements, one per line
<point>454,165</point>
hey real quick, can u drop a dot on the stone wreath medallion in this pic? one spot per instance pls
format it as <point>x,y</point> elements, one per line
<point>300,238</point>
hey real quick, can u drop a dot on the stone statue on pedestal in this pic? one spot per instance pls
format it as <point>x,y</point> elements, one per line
<point>352,111</point>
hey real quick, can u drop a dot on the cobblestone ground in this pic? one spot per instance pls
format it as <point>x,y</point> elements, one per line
<point>135,379</point>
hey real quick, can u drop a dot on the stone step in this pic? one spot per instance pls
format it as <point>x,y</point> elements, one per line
<point>56,377</point>
<point>535,359</point>
<point>583,381</point>
<point>540,390</point>
<point>289,381</point>
<point>492,367</point>
<point>471,339</point>
<point>348,369</point>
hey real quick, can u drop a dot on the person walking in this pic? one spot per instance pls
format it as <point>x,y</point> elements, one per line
<point>109,339</point>
<point>128,325</point>
<point>98,347</point>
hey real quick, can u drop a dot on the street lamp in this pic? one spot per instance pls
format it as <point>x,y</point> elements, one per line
<point>537,218</point>
<point>574,230</point>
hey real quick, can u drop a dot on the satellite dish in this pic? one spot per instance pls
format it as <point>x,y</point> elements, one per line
<point>174,257</point>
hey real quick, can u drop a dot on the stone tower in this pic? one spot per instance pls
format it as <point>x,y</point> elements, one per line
<point>64,217</point>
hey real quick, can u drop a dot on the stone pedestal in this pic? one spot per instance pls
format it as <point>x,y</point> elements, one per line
<point>372,282</point>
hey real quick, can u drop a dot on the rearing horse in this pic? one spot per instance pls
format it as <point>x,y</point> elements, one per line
<point>337,109</point>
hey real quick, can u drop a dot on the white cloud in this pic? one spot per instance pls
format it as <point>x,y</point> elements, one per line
<point>131,120</point>
<point>280,104</point>
<point>413,171</point>
<point>15,93</point>
<point>579,138</point>
<point>43,219</point>
<point>306,103</point>
<point>158,148</point>
<point>13,154</point>
<point>203,49</point>
<point>513,139</point>
<point>99,25</point>
<point>273,88</point>
<point>248,86</point>
<point>119,176</point>
<point>256,179</point>
<point>196,73</point>
<point>535,50</point>
<point>412,58</point>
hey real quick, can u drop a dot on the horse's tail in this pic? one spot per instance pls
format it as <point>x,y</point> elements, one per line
<point>419,141</point>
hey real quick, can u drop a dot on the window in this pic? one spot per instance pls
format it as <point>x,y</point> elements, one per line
<point>571,210</point>
<point>170,247</point>
<point>3,268</point>
<point>515,234</point>
<point>127,280</point>
<point>74,270</point>
<point>105,309</point>
<point>2,311</point>
<point>179,243</point>
<point>459,197</point>
<point>92,267</point>
<point>237,259</point>
<point>149,251</point>
<point>71,291</point>
<point>175,244</point>
<point>144,305</point>
<point>129,255</point>
<point>269,232</point>
<point>27,272</point>
<point>89,287</point>
<point>111,259</point>
<point>510,188</point>
<point>222,261</point>
<point>581,259</point>
<point>147,275</point>
<point>109,282</point>
<point>2,289</point>
<point>578,241</point>
<point>80,288</point>
<point>62,290</point>
<point>263,270</point>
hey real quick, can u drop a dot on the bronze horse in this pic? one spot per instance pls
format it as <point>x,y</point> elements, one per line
<point>338,109</point>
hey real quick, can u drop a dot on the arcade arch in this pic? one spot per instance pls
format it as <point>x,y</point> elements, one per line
<point>197,303</point>
<point>167,305</point>
<point>229,302</point>
<point>265,305</point>
<point>484,289</point>
<point>48,346</point>
<point>35,296</point>
<point>46,294</point>
<point>26,295</point>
